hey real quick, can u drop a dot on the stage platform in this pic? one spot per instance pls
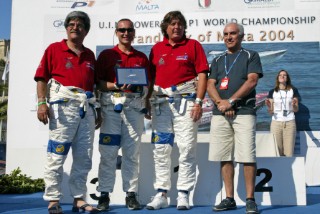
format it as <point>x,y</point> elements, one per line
<point>34,204</point>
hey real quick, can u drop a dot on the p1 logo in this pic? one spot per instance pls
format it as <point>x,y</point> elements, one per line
<point>83,4</point>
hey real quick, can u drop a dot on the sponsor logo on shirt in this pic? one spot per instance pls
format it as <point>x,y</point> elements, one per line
<point>155,139</point>
<point>161,61</point>
<point>60,149</point>
<point>68,63</point>
<point>89,65</point>
<point>184,57</point>
<point>106,139</point>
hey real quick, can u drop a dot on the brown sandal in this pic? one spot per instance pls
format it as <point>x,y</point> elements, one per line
<point>55,209</point>
<point>83,208</point>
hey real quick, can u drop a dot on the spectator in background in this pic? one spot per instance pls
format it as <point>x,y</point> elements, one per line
<point>282,103</point>
<point>65,79</point>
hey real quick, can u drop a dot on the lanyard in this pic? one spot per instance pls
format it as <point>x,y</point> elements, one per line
<point>234,61</point>
<point>285,99</point>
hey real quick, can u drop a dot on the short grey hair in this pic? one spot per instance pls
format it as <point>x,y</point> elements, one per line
<point>239,26</point>
<point>78,15</point>
<point>241,29</point>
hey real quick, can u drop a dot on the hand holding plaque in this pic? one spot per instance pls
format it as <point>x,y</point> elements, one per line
<point>131,76</point>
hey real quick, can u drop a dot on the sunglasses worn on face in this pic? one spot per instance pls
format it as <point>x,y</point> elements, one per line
<point>123,30</point>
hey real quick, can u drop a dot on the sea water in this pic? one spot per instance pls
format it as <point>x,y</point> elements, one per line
<point>301,60</point>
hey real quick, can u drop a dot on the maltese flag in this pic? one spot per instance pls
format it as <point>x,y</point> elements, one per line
<point>204,3</point>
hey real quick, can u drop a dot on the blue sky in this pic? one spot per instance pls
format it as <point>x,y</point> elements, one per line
<point>5,19</point>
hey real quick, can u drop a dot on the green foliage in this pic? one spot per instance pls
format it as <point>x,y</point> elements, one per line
<point>3,109</point>
<point>2,63</point>
<point>20,183</point>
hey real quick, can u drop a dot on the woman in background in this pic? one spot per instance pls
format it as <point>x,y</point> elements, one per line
<point>282,103</point>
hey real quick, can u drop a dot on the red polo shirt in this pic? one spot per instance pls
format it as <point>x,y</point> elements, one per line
<point>176,64</point>
<point>110,58</point>
<point>62,64</point>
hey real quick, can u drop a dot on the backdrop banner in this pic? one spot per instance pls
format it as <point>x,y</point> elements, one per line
<point>286,34</point>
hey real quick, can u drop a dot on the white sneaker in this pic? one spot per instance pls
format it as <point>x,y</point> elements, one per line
<point>158,202</point>
<point>183,201</point>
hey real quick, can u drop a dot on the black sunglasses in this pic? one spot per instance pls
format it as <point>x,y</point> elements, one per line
<point>123,30</point>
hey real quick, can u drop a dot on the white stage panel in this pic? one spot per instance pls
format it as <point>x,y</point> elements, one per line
<point>310,148</point>
<point>279,181</point>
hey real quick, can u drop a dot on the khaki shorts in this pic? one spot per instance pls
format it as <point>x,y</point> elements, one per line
<point>233,139</point>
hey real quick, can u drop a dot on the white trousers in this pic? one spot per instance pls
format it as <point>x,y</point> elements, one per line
<point>172,123</point>
<point>120,130</point>
<point>67,130</point>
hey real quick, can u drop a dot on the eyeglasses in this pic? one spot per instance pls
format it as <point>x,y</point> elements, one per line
<point>73,25</point>
<point>123,30</point>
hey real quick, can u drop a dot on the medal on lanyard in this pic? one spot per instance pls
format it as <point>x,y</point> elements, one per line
<point>225,81</point>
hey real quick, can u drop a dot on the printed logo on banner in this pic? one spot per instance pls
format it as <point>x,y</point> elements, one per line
<point>73,3</point>
<point>147,6</point>
<point>257,1</point>
<point>204,3</point>
<point>262,3</point>
<point>58,23</point>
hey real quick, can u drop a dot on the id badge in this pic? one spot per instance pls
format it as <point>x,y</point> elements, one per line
<point>285,113</point>
<point>224,83</point>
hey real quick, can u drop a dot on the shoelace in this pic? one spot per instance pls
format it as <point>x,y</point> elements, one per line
<point>182,197</point>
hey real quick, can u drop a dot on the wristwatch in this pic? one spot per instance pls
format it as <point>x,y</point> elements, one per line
<point>231,101</point>
<point>198,101</point>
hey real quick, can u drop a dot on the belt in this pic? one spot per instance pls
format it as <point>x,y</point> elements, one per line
<point>56,82</point>
<point>75,90</point>
<point>182,95</point>
<point>162,95</point>
<point>124,94</point>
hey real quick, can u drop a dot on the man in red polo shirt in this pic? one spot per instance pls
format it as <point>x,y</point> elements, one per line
<point>180,68</point>
<point>65,79</point>
<point>123,114</point>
